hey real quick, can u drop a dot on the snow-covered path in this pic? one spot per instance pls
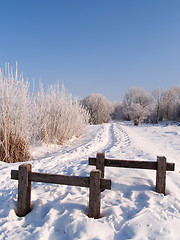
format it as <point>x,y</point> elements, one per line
<point>131,210</point>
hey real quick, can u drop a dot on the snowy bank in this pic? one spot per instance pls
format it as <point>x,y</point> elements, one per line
<point>131,210</point>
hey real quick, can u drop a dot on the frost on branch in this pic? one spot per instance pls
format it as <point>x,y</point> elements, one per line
<point>14,117</point>
<point>57,116</point>
<point>166,104</point>
<point>98,107</point>
<point>119,112</point>
<point>137,104</point>
<point>51,117</point>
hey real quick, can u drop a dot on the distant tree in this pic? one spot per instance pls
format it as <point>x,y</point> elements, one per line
<point>98,107</point>
<point>177,113</point>
<point>118,112</point>
<point>171,101</point>
<point>168,105</point>
<point>137,104</point>
<point>158,99</point>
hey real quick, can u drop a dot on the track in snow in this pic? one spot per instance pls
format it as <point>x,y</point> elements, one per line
<point>109,138</point>
<point>131,210</point>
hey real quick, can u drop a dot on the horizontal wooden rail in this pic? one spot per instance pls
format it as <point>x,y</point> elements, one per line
<point>25,176</point>
<point>62,179</point>
<point>161,166</point>
<point>131,164</point>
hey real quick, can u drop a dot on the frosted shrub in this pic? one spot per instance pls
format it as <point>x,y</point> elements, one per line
<point>14,117</point>
<point>137,104</point>
<point>138,113</point>
<point>118,112</point>
<point>98,107</point>
<point>57,116</point>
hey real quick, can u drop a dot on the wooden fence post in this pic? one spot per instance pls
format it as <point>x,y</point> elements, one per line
<point>100,162</point>
<point>161,175</point>
<point>24,190</point>
<point>95,194</point>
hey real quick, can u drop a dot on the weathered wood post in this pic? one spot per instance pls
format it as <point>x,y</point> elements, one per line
<point>95,194</point>
<point>24,190</point>
<point>100,162</point>
<point>161,175</point>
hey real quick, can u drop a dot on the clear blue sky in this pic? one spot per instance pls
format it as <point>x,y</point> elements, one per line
<point>93,46</point>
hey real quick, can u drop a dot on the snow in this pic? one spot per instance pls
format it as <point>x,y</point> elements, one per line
<point>131,210</point>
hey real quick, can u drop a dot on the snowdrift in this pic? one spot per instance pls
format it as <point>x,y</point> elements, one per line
<point>131,210</point>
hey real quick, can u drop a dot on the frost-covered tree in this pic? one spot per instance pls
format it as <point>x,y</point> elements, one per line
<point>158,99</point>
<point>171,101</point>
<point>166,104</point>
<point>137,104</point>
<point>118,112</point>
<point>15,121</point>
<point>98,107</point>
<point>177,113</point>
<point>58,117</point>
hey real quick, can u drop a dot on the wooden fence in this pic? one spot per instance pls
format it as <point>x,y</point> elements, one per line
<point>96,182</point>
<point>25,176</point>
<point>161,166</point>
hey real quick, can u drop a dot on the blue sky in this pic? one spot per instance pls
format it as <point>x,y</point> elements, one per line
<point>93,46</point>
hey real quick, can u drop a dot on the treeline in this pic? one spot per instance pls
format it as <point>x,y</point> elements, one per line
<point>138,105</point>
<point>54,116</point>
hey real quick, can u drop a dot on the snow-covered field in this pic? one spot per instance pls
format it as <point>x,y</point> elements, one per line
<point>131,210</point>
